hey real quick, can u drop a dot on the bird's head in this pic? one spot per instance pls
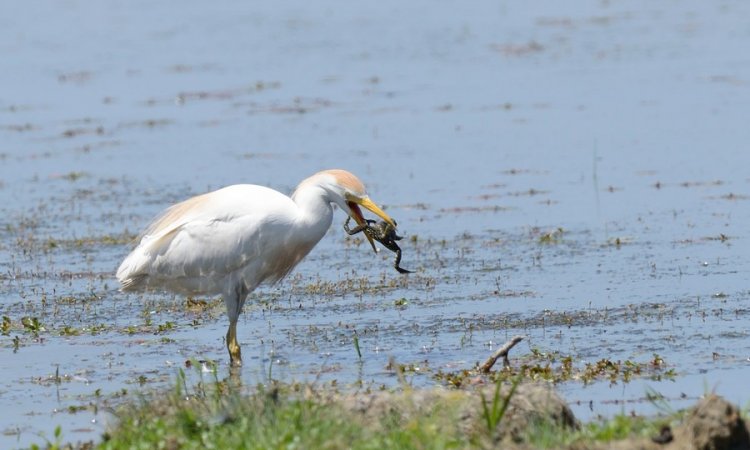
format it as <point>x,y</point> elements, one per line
<point>349,193</point>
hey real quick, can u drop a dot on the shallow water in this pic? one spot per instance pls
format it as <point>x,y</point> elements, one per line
<point>480,128</point>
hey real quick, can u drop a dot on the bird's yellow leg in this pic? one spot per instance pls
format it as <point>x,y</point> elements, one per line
<point>235,355</point>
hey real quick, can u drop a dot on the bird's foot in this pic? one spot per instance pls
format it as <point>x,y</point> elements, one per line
<point>235,354</point>
<point>235,362</point>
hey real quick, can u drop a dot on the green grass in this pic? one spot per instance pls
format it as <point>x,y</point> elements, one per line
<point>493,412</point>
<point>551,436</point>
<point>215,415</point>
<point>269,420</point>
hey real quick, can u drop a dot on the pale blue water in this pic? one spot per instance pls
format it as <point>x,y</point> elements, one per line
<point>483,125</point>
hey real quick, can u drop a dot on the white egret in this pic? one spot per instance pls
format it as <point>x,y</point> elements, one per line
<point>231,240</point>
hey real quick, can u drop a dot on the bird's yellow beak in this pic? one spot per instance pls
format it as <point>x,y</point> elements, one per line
<point>366,203</point>
<point>369,205</point>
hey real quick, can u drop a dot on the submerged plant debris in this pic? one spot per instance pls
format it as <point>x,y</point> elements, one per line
<point>556,368</point>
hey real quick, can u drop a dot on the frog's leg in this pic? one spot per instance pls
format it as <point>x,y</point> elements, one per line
<point>398,262</point>
<point>358,228</point>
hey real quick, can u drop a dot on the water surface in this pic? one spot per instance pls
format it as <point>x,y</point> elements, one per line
<point>479,127</point>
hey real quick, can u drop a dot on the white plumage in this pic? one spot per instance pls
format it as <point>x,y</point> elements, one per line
<point>231,240</point>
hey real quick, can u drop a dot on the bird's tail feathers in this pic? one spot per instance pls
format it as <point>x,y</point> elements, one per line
<point>134,283</point>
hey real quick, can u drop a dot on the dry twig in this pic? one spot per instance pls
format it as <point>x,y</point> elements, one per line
<point>502,351</point>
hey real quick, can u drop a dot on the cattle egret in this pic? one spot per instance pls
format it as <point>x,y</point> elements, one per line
<point>231,240</point>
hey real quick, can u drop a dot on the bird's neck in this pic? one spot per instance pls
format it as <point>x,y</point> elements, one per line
<point>315,211</point>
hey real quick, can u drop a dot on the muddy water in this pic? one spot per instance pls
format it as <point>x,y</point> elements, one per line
<point>578,176</point>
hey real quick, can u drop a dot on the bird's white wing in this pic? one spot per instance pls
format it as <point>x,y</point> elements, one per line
<point>196,243</point>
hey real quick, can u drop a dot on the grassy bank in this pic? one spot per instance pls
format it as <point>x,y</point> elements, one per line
<point>218,415</point>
